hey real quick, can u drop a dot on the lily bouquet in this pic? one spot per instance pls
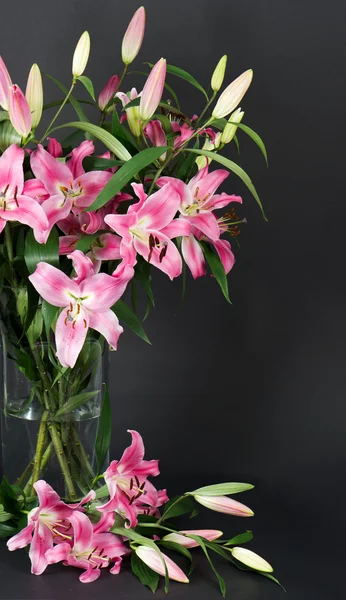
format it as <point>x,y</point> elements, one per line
<point>82,220</point>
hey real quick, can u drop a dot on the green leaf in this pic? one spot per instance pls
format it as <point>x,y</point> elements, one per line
<point>8,498</point>
<point>175,509</point>
<point>178,72</point>
<point>104,432</point>
<point>232,166</point>
<point>177,548</point>
<point>75,402</point>
<point>78,109</point>
<point>26,365</point>
<point>126,173</point>
<point>124,313</point>
<point>255,138</point>
<point>236,142</point>
<point>216,268</point>
<point>145,575</point>
<point>143,275</point>
<point>35,252</point>
<point>7,530</point>
<point>86,240</point>
<point>59,102</point>
<point>101,134</point>
<point>100,164</point>
<point>88,85</point>
<point>4,116</point>
<point>187,164</point>
<point>8,135</point>
<point>242,538</point>
<point>222,489</point>
<point>49,313</point>
<point>221,581</point>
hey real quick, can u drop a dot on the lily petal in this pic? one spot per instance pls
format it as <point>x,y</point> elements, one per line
<point>159,209</point>
<point>50,171</point>
<point>53,285</point>
<point>11,170</point>
<point>101,291</point>
<point>193,256</point>
<point>107,324</point>
<point>75,163</point>
<point>70,336</point>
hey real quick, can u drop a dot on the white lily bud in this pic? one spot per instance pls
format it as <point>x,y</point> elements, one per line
<point>202,161</point>
<point>231,129</point>
<point>34,94</point>
<point>250,559</point>
<point>232,95</point>
<point>81,55</point>
<point>219,74</point>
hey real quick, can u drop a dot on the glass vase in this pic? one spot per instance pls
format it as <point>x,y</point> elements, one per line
<point>49,414</point>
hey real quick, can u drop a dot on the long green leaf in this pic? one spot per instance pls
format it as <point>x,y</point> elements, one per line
<point>221,580</point>
<point>242,538</point>
<point>176,509</point>
<point>78,109</point>
<point>232,166</point>
<point>86,240</point>
<point>124,313</point>
<point>255,138</point>
<point>7,530</point>
<point>75,402</point>
<point>178,72</point>
<point>100,164</point>
<point>145,575</point>
<point>217,269</point>
<point>104,431</point>
<point>101,134</point>
<point>35,252</point>
<point>222,489</point>
<point>126,173</point>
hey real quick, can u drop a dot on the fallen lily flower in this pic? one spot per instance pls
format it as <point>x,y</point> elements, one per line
<point>226,505</point>
<point>250,559</point>
<point>133,37</point>
<point>154,560</point>
<point>181,537</point>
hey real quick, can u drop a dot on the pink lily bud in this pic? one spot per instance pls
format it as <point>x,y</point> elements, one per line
<point>108,92</point>
<point>81,55</point>
<point>153,90</point>
<point>133,37</point>
<point>225,505</point>
<point>208,534</point>
<point>34,94</point>
<point>19,111</point>
<point>153,560</point>
<point>250,559</point>
<point>219,74</point>
<point>5,83</point>
<point>154,131</point>
<point>232,95</point>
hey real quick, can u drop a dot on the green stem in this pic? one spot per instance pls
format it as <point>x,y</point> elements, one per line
<point>162,518</point>
<point>26,474</point>
<point>40,447</point>
<point>82,456</point>
<point>53,430</point>
<point>206,108</point>
<point>58,111</point>
<point>44,377</point>
<point>122,77</point>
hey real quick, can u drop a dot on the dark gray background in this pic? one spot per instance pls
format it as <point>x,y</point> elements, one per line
<point>253,392</point>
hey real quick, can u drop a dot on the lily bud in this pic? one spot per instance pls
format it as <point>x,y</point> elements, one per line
<point>226,505</point>
<point>209,144</point>
<point>108,92</point>
<point>81,55</point>
<point>5,83</point>
<point>231,129</point>
<point>34,94</point>
<point>19,111</point>
<point>219,74</point>
<point>153,560</point>
<point>153,90</point>
<point>232,95</point>
<point>154,131</point>
<point>178,538</point>
<point>133,37</point>
<point>250,559</point>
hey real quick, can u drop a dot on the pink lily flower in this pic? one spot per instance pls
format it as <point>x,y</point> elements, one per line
<point>46,524</point>
<point>132,113</point>
<point>153,560</point>
<point>194,257</point>
<point>181,536</point>
<point>127,481</point>
<point>198,199</point>
<point>154,131</point>
<point>86,302</point>
<point>90,551</point>
<point>15,204</point>
<point>19,111</point>
<point>5,83</point>
<point>148,228</point>
<point>226,505</point>
<point>107,247</point>
<point>54,147</point>
<point>184,132</point>
<point>153,90</point>
<point>108,92</point>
